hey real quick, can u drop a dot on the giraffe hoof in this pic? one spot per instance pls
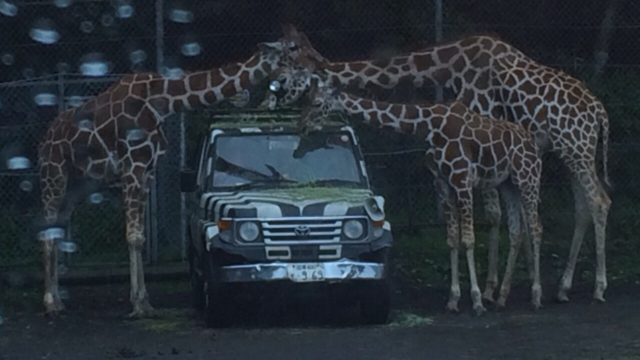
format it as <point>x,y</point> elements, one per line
<point>488,297</point>
<point>562,297</point>
<point>141,314</point>
<point>54,308</point>
<point>599,299</point>
<point>479,310</point>
<point>141,311</point>
<point>501,304</point>
<point>537,305</point>
<point>453,308</point>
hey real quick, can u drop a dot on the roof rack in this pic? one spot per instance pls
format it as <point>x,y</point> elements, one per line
<point>254,117</point>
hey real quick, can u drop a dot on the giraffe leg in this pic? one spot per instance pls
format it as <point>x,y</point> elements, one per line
<point>599,203</point>
<point>465,206</point>
<point>494,215</point>
<point>512,201</point>
<point>135,197</point>
<point>453,240</point>
<point>582,219</point>
<point>526,245</point>
<point>535,231</point>
<point>53,187</point>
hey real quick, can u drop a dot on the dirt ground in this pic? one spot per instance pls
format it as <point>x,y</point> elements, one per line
<point>95,327</point>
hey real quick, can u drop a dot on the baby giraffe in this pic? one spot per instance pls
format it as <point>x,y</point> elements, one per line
<point>466,151</point>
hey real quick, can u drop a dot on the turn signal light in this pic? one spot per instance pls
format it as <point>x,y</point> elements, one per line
<point>224,224</point>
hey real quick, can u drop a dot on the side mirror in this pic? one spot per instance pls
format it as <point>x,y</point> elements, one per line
<point>188,180</point>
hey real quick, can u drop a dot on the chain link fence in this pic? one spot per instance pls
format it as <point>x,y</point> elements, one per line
<point>56,54</point>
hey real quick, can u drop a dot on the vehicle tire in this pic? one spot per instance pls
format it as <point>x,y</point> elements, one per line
<point>218,309</point>
<point>375,301</point>
<point>197,282</point>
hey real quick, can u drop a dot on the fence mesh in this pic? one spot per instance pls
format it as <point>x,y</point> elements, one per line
<point>56,54</point>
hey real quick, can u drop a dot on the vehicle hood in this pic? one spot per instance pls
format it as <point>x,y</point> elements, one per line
<point>292,202</point>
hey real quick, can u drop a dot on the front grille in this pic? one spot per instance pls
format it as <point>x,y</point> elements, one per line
<point>282,231</point>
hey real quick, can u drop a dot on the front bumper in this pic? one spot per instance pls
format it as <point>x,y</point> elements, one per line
<point>331,271</point>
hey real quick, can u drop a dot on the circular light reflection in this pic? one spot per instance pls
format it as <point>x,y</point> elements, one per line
<point>182,16</point>
<point>67,246</point>
<point>85,124</point>
<point>26,185</point>
<point>63,67</point>
<point>192,48</point>
<point>63,293</point>
<point>124,10</point>
<point>106,20</point>
<point>136,134</point>
<point>172,72</point>
<point>62,3</point>
<point>28,73</point>
<point>87,26</point>
<point>137,56</point>
<point>94,64</point>
<point>75,100</point>
<point>8,59</point>
<point>18,163</point>
<point>44,31</point>
<point>45,99</point>
<point>51,234</point>
<point>8,8</point>
<point>96,198</point>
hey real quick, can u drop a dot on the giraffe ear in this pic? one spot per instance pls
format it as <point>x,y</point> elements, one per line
<point>289,30</point>
<point>270,46</point>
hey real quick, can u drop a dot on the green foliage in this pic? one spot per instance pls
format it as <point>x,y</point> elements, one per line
<point>619,91</point>
<point>99,231</point>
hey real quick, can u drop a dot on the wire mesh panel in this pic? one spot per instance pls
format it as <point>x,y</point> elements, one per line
<point>57,54</point>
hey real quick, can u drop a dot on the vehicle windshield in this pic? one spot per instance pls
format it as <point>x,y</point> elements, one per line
<point>276,160</point>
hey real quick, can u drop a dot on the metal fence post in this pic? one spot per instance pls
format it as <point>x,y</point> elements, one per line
<point>153,201</point>
<point>438,37</point>
<point>183,198</point>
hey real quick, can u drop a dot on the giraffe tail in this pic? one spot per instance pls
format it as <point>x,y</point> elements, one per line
<point>604,124</point>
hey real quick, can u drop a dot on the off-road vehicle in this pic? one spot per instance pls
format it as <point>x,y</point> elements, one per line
<point>268,204</point>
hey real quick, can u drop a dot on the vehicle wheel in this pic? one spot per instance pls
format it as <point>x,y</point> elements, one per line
<point>218,307</point>
<point>197,283</point>
<point>375,302</point>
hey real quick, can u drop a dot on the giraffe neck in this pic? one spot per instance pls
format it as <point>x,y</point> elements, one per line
<point>205,88</point>
<point>402,118</point>
<point>438,65</point>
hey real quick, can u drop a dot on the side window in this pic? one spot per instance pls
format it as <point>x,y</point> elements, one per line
<point>202,173</point>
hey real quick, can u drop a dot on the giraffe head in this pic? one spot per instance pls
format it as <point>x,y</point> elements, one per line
<point>302,52</point>
<point>288,85</point>
<point>323,99</point>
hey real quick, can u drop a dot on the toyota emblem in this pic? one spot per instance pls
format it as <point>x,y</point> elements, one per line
<point>302,230</point>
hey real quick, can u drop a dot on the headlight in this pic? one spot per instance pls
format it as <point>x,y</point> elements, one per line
<point>249,231</point>
<point>275,85</point>
<point>353,229</point>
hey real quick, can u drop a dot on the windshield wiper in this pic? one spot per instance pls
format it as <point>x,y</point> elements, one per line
<point>262,183</point>
<point>277,175</point>
<point>328,182</point>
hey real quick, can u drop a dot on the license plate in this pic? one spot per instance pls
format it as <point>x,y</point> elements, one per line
<point>306,272</point>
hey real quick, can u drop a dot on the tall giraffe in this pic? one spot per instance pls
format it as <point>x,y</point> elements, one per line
<point>466,151</point>
<point>117,137</point>
<point>495,79</point>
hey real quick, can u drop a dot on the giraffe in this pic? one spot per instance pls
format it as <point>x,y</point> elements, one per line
<point>117,138</point>
<point>466,151</point>
<point>495,79</point>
